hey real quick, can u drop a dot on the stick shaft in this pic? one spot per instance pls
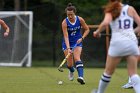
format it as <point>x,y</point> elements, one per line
<point>64,60</point>
<point>105,34</point>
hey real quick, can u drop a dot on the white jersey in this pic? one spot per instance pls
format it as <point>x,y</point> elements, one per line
<point>122,27</point>
<point>123,39</point>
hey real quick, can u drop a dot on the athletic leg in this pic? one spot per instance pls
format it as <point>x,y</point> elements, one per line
<point>129,84</point>
<point>70,66</point>
<point>132,71</point>
<point>111,64</point>
<point>79,64</point>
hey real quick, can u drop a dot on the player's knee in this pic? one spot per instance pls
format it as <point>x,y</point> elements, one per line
<point>109,72</point>
<point>69,66</point>
<point>76,59</point>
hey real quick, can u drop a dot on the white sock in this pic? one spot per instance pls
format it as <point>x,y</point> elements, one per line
<point>135,79</point>
<point>104,81</point>
<point>129,80</point>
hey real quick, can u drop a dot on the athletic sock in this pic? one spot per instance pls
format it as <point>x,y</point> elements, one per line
<point>104,81</point>
<point>71,69</point>
<point>135,79</point>
<point>79,67</point>
<point>129,80</point>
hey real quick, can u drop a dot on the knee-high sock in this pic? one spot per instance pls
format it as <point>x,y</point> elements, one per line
<point>135,79</point>
<point>103,83</point>
<point>71,69</point>
<point>79,67</point>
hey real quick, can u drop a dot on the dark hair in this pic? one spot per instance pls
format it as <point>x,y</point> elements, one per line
<point>70,7</point>
<point>113,7</point>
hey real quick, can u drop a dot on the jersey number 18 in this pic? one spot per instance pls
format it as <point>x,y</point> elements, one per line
<point>125,24</point>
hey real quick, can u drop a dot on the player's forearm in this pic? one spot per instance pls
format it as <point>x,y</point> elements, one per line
<point>7,29</point>
<point>86,32</point>
<point>137,29</point>
<point>4,26</point>
<point>105,22</point>
<point>67,42</point>
<point>101,27</point>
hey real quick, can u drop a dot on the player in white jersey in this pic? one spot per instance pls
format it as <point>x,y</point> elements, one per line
<point>123,42</point>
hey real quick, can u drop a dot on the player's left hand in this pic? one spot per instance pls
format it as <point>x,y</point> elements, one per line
<point>79,40</point>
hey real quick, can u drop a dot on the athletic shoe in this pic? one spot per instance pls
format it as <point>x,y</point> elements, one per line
<point>81,80</point>
<point>71,76</point>
<point>127,86</point>
<point>94,91</point>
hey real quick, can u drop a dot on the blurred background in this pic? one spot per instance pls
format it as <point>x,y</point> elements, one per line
<point>47,33</point>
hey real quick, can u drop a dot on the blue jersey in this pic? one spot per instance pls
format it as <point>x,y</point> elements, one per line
<point>74,32</point>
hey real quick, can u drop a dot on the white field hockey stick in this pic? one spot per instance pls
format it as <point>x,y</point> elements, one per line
<point>108,35</point>
<point>105,34</point>
<point>102,34</point>
<point>65,59</point>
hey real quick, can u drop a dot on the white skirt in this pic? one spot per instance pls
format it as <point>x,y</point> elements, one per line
<point>123,48</point>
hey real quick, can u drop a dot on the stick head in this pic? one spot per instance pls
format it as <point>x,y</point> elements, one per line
<point>60,69</point>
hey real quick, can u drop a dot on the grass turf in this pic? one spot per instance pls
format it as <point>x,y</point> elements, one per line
<point>45,80</point>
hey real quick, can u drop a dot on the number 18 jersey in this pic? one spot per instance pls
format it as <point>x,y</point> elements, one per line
<point>123,41</point>
<point>122,27</point>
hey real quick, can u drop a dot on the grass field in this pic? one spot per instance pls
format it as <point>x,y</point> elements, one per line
<point>45,79</point>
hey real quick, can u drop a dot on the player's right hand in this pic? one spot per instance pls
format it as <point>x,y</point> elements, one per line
<point>6,34</point>
<point>69,51</point>
<point>96,34</point>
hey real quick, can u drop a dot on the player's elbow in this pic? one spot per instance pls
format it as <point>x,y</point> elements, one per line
<point>1,21</point>
<point>105,24</point>
<point>87,29</point>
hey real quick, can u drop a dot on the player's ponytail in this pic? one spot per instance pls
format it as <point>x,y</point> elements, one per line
<point>70,7</point>
<point>113,7</point>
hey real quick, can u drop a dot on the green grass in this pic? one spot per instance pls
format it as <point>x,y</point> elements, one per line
<point>45,79</point>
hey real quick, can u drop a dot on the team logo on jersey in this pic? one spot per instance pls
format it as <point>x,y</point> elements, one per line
<point>123,13</point>
<point>74,28</point>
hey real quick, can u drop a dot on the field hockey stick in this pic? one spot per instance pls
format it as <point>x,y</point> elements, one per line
<point>105,34</point>
<point>102,34</point>
<point>65,59</point>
